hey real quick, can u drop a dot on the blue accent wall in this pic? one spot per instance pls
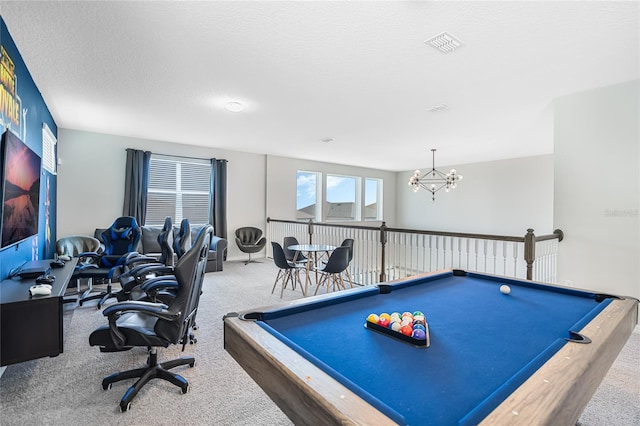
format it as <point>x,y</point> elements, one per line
<point>23,111</point>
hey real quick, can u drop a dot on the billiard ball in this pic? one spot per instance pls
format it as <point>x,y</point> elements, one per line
<point>395,326</point>
<point>373,318</point>
<point>385,315</point>
<point>505,289</point>
<point>418,313</point>
<point>419,334</point>
<point>419,327</point>
<point>383,322</point>
<point>406,330</point>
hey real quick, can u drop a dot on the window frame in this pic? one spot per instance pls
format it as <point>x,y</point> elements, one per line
<point>357,184</point>
<point>379,199</point>
<point>318,195</point>
<point>360,195</point>
<point>180,206</point>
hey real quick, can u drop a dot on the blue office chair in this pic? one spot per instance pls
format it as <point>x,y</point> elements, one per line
<point>120,239</point>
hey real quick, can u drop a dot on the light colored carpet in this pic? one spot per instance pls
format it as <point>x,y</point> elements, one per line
<point>66,390</point>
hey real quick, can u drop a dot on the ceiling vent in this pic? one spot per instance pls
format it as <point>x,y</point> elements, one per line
<point>444,42</point>
<point>438,108</point>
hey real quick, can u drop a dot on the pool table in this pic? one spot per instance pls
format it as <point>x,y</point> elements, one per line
<point>533,356</point>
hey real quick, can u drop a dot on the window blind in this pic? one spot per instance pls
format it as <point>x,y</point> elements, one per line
<point>48,149</point>
<point>178,187</point>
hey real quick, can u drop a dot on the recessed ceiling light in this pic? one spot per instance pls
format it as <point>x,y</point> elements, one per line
<point>444,42</point>
<point>234,106</point>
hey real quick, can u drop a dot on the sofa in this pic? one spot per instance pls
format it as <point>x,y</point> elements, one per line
<point>149,245</point>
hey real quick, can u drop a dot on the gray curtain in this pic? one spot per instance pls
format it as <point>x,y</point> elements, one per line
<point>136,184</point>
<point>218,200</point>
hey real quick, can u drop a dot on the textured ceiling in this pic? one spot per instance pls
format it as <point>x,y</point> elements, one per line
<point>357,72</point>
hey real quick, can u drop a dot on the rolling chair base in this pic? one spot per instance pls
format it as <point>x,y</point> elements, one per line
<point>102,296</point>
<point>153,370</point>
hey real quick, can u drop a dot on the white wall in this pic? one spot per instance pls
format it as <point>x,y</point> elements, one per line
<point>597,188</point>
<point>91,181</point>
<point>503,197</point>
<point>281,186</point>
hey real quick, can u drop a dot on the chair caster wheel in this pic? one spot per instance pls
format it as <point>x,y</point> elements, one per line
<point>106,387</point>
<point>125,408</point>
<point>193,364</point>
<point>185,389</point>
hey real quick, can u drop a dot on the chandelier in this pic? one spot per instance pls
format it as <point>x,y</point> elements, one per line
<point>434,180</point>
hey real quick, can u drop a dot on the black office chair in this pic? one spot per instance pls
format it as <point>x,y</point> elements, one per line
<point>155,281</point>
<point>137,268</point>
<point>287,271</point>
<point>153,325</point>
<point>120,239</point>
<point>182,240</point>
<point>250,240</point>
<point>333,269</point>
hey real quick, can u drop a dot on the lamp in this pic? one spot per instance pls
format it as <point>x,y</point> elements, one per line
<point>434,180</point>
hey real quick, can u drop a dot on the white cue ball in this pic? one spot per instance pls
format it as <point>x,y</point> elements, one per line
<point>505,289</point>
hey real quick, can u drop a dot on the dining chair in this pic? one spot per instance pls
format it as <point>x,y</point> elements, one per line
<point>348,242</point>
<point>332,271</point>
<point>291,255</point>
<point>286,272</point>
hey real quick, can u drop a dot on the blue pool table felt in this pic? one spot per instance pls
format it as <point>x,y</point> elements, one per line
<point>484,344</point>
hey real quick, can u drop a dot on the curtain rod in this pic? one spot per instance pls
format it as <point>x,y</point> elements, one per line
<point>181,156</point>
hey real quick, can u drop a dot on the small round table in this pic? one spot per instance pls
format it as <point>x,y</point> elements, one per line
<point>310,249</point>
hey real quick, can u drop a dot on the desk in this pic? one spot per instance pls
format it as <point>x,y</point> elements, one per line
<point>494,358</point>
<point>31,327</point>
<point>310,249</point>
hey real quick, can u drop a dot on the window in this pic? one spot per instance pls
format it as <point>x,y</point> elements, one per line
<point>307,195</point>
<point>372,199</point>
<point>342,198</point>
<point>48,149</point>
<point>178,187</point>
<point>345,197</point>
